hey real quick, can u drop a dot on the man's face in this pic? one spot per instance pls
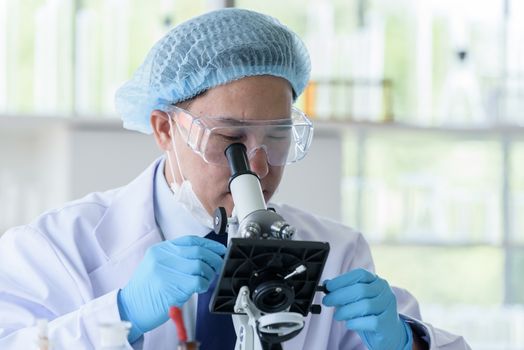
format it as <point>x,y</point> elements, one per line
<point>251,98</point>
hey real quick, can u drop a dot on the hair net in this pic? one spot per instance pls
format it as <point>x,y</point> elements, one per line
<point>210,50</point>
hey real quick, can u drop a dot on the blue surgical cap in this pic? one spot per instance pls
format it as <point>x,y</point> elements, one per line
<point>210,50</point>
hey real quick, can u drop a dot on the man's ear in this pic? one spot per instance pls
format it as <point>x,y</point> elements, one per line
<point>161,129</point>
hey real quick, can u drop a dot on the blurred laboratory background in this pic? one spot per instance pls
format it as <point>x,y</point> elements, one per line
<point>418,109</point>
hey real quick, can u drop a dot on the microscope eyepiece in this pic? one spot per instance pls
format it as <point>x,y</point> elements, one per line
<point>237,159</point>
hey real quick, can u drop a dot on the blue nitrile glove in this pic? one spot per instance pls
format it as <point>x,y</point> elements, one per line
<point>368,306</point>
<point>169,274</point>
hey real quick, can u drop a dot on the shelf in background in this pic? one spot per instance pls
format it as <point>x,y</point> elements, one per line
<point>348,125</point>
<point>35,122</point>
<point>325,126</point>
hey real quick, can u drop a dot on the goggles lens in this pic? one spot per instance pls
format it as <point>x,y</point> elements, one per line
<point>284,141</point>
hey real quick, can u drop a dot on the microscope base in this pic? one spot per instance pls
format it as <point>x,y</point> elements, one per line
<point>258,331</point>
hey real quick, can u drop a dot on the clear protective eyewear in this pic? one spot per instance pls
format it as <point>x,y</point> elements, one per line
<point>284,141</point>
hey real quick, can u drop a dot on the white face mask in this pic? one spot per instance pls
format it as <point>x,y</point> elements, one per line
<point>184,193</point>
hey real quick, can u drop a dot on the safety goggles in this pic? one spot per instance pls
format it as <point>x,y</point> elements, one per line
<point>284,141</point>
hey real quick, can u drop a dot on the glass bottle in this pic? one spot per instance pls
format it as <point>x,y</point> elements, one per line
<point>42,340</point>
<point>189,345</point>
<point>462,103</point>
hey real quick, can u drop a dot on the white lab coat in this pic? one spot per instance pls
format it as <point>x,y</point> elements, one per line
<point>68,265</point>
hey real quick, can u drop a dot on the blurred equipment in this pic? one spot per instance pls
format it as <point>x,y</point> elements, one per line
<point>461,98</point>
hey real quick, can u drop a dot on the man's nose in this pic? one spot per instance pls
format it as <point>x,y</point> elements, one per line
<point>258,162</point>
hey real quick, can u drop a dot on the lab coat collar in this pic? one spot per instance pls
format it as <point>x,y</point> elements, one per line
<point>131,210</point>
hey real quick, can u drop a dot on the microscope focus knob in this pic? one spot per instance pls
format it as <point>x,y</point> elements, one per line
<point>251,230</point>
<point>220,221</point>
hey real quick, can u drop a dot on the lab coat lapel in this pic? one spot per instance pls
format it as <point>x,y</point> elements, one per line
<point>125,232</point>
<point>130,217</point>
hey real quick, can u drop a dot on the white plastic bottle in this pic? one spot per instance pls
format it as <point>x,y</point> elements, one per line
<point>113,336</point>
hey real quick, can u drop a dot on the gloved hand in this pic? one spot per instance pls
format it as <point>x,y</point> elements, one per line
<point>169,274</point>
<point>368,306</point>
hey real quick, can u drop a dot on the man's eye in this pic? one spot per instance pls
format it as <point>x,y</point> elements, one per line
<point>280,136</point>
<point>232,138</point>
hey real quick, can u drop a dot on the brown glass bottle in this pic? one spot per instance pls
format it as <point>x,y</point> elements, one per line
<point>189,345</point>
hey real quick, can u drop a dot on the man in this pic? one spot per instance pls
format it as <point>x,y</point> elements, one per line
<point>131,253</point>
